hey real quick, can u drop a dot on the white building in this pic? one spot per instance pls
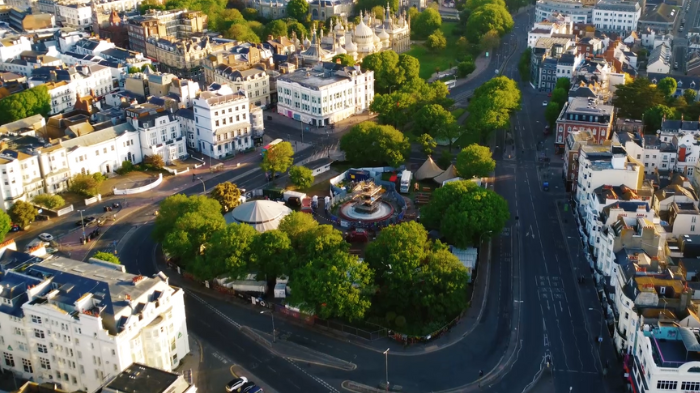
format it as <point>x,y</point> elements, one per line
<point>11,47</point>
<point>684,134</point>
<point>222,122</point>
<point>616,16</point>
<point>651,150</point>
<point>65,85</point>
<point>80,324</point>
<point>139,378</point>
<point>62,96</point>
<point>159,132</point>
<point>577,10</point>
<point>75,14</point>
<point>659,60</point>
<point>187,126</point>
<point>104,150</point>
<point>21,177</point>
<point>558,24</point>
<point>92,46</point>
<point>325,94</point>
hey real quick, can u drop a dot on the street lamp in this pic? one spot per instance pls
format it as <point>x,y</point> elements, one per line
<point>386,367</point>
<point>273,323</point>
<point>82,223</point>
<point>203,186</point>
<point>600,334</point>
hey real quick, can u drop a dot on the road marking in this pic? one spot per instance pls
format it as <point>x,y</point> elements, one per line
<point>216,311</point>
<point>293,384</point>
<point>315,378</point>
<point>222,358</point>
<point>272,369</point>
<point>201,351</point>
<point>232,372</point>
<point>546,341</point>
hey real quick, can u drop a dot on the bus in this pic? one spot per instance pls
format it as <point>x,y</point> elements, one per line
<point>269,146</point>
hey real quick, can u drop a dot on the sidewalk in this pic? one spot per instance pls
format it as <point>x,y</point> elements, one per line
<point>613,381</point>
<point>481,63</point>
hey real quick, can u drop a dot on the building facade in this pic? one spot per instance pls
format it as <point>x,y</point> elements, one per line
<point>578,11</point>
<point>613,16</point>
<point>173,23</point>
<point>254,81</point>
<point>584,115</point>
<point>158,131</point>
<point>78,15</point>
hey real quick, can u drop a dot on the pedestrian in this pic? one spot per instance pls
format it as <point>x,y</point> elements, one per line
<point>481,373</point>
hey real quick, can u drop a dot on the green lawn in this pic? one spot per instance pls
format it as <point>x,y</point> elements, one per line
<point>429,60</point>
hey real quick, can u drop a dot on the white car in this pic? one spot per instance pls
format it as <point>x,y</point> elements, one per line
<point>46,237</point>
<point>544,103</point>
<point>236,384</point>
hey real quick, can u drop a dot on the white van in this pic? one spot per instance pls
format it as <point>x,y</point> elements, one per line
<point>405,181</point>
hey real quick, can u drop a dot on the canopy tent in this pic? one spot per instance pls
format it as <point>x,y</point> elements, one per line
<point>450,173</point>
<point>263,215</point>
<point>428,170</point>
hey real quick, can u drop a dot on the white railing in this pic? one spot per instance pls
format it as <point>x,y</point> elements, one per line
<point>141,189</point>
<point>90,201</point>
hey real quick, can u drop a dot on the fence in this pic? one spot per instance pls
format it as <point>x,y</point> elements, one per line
<point>413,339</point>
<point>90,201</point>
<point>355,331</point>
<point>175,171</point>
<point>138,190</point>
<point>64,211</point>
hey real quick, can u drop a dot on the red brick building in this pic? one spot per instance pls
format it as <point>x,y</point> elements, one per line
<point>583,114</point>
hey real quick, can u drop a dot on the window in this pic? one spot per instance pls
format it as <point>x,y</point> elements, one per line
<point>38,333</point>
<point>27,364</point>
<point>9,360</point>
<point>36,319</point>
<point>45,364</point>
<point>667,385</point>
<point>41,348</point>
<point>692,228</point>
<point>692,386</point>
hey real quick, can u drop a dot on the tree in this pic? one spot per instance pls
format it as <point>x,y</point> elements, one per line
<point>486,18</point>
<point>227,194</point>
<point>327,280</point>
<point>86,185</point>
<point>277,28</point>
<point>444,289</point>
<point>298,9</point>
<point>155,161</point>
<point>492,104</point>
<point>667,86</point>
<point>22,213</point>
<point>552,113</point>
<point>35,101</point>
<point>563,83</point>
<point>378,12</point>
<point>107,257</point>
<point>427,144</point>
<point>464,212</point>
<point>436,41</point>
<point>430,119</point>
<point>426,23</point>
<point>524,64</point>
<point>296,28</point>
<point>49,201</point>
<point>445,159</point>
<point>653,117</point>
<point>270,253</point>
<point>344,59</point>
<point>466,67</point>
<point>369,4</point>
<point>475,161</point>
<point>474,4</point>
<point>150,5</point>
<point>391,71</point>
<point>227,252</point>
<point>301,176</point>
<point>184,224</point>
<point>250,14</point>
<point>5,224</point>
<point>634,98</point>
<point>369,143</point>
<point>449,134</point>
<point>295,224</point>
<point>278,158</point>
<point>560,96</point>
<point>242,32</point>
<point>689,95</point>
<point>490,40</point>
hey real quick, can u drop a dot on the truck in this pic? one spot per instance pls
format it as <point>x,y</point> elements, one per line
<point>248,286</point>
<point>406,177</point>
<point>306,206</point>
<point>269,146</point>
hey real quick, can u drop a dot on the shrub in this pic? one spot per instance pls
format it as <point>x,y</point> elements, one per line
<point>126,167</point>
<point>153,162</point>
<point>22,213</point>
<point>390,317</point>
<point>107,257</point>
<point>99,177</point>
<point>49,201</point>
<point>400,321</point>
<point>86,185</point>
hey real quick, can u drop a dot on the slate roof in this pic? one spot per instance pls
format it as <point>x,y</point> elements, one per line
<point>96,137</point>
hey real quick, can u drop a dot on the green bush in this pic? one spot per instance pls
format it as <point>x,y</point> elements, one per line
<point>400,321</point>
<point>99,177</point>
<point>49,201</point>
<point>126,167</point>
<point>86,185</point>
<point>153,162</point>
<point>390,317</point>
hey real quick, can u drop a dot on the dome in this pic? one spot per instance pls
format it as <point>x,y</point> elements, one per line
<point>350,47</point>
<point>383,35</point>
<point>363,32</point>
<point>340,51</point>
<point>339,27</point>
<point>263,215</point>
<point>377,41</point>
<point>307,43</point>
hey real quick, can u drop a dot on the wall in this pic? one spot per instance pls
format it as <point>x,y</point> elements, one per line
<point>138,190</point>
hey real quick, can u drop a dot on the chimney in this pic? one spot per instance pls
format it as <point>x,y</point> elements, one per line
<point>270,37</point>
<point>685,299</point>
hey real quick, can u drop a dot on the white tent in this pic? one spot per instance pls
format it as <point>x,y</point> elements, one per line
<point>263,215</point>
<point>450,173</point>
<point>428,170</point>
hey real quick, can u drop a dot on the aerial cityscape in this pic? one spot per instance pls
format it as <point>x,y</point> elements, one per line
<point>360,196</point>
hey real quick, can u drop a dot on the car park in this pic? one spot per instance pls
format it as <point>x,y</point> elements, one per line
<point>46,237</point>
<point>236,384</point>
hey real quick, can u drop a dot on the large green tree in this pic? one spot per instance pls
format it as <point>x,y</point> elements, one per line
<point>298,9</point>
<point>436,41</point>
<point>278,158</point>
<point>653,117</point>
<point>690,95</point>
<point>431,119</point>
<point>86,185</point>
<point>344,59</point>
<point>276,28</point>
<point>486,18</point>
<point>667,86</point>
<point>5,224</point>
<point>560,96</point>
<point>227,194</point>
<point>444,286</point>
<point>426,23</point>
<point>184,224</point>
<point>295,224</point>
<point>22,213</point>
<point>270,255</point>
<point>369,143</point>
<point>634,98</point>
<point>301,176</point>
<point>552,113</point>
<point>492,104</point>
<point>35,101</point>
<point>391,70</point>
<point>227,252</point>
<point>475,161</point>
<point>464,212</point>
<point>242,32</point>
<point>474,4</point>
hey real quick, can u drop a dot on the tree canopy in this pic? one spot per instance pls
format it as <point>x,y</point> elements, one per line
<point>486,18</point>
<point>298,9</point>
<point>552,113</point>
<point>399,107</point>
<point>463,212</point>
<point>35,101</point>
<point>426,23</point>
<point>345,59</point>
<point>431,119</point>
<point>5,224</point>
<point>276,28</point>
<point>492,104</point>
<point>226,252</point>
<point>107,257</point>
<point>475,161</point>
<point>633,99</point>
<point>227,194</point>
<point>22,213</point>
<point>369,143</point>
<point>667,86</point>
<point>301,176</point>
<point>391,70</point>
<point>271,252</point>
<point>86,185</point>
<point>278,158</point>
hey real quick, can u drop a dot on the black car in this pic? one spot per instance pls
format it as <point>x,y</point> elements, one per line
<point>251,387</point>
<point>86,221</point>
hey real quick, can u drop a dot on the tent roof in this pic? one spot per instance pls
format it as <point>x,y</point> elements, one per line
<point>428,170</point>
<point>450,173</point>
<point>263,215</point>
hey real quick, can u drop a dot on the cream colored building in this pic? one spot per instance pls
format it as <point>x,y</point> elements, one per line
<point>182,57</point>
<point>255,82</point>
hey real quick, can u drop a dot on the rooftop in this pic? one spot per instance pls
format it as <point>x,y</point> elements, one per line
<point>616,5</point>
<point>139,378</point>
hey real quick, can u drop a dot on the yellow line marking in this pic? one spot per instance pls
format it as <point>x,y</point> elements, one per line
<point>201,351</point>
<point>233,373</point>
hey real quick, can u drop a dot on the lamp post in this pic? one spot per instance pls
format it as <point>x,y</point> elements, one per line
<point>386,367</point>
<point>82,222</point>
<point>600,333</point>
<point>273,323</point>
<point>203,186</point>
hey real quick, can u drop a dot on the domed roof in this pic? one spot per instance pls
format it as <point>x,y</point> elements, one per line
<point>340,50</point>
<point>362,30</point>
<point>263,215</point>
<point>377,41</point>
<point>350,47</point>
<point>339,27</point>
<point>383,35</point>
<point>306,42</point>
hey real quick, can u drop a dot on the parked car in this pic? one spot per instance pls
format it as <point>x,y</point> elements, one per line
<point>46,237</point>
<point>250,387</point>
<point>236,384</point>
<point>544,103</point>
<point>85,221</point>
<point>14,228</point>
<point>358,235</point>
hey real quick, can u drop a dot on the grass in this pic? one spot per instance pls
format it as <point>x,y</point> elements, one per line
<point>442,59</point>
